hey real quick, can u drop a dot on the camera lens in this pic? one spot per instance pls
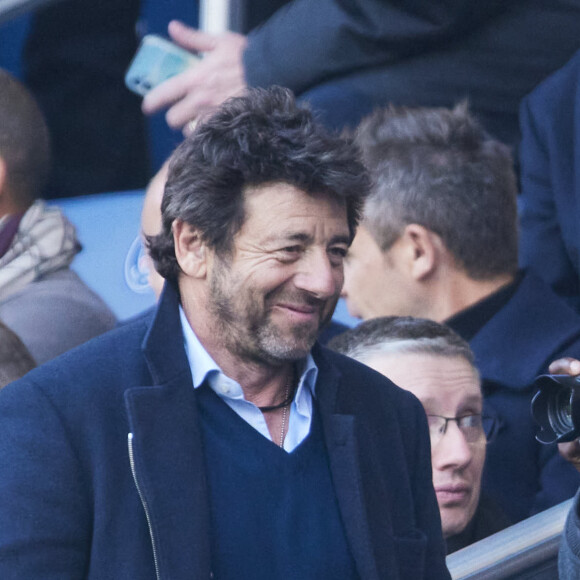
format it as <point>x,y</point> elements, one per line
<point>560,412</point>
<point>556,408</point>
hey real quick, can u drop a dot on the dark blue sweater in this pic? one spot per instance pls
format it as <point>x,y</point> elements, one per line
<point>274,514</point>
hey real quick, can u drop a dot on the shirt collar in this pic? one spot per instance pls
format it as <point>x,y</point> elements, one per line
<point>200,361</point>
<point>202,365</point>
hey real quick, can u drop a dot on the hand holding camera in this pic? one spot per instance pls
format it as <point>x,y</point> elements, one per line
<point>556,408</point>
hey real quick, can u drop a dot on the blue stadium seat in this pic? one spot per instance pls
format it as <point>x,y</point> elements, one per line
<point>108,226</point>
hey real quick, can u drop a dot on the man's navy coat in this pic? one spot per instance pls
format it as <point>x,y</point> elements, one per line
<point>550,181</point>
<point>100,450</point>
<point>347,58</point>
<point>534,328</point>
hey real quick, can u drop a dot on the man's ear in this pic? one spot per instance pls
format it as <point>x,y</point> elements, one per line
<point>190,250</point>
<point>423,250</point>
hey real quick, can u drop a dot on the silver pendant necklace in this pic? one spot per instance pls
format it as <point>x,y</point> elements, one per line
<point>284,405</point>
<point>284,415</point>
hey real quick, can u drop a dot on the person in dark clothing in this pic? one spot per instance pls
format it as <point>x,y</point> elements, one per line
<point>569,554</point>
<point>74,62</point>
<point>550,181</point>
<point>216,438</point>
<point>439,240</point>
<point>437,366</point>
<point>347,58</point>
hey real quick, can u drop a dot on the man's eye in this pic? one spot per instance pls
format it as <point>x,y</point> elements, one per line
<point>289,253</point>
<point>338,252</point>
<point>471,420</point>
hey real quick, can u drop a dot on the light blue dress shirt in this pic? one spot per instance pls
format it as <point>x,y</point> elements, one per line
<point>202,365</point>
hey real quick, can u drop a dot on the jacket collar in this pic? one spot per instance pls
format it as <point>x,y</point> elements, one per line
<point>163,344</point>
<point>340,436</point>
<point>169,464</point>
<point>520,341</point>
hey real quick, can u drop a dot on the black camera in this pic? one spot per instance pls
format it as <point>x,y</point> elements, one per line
<point>556,408</point>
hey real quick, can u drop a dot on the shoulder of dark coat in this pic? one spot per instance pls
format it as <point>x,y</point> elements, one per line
<point>360,384</point>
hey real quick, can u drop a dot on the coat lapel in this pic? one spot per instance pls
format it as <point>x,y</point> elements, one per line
<point>168,459</point>
<point>340,436</point>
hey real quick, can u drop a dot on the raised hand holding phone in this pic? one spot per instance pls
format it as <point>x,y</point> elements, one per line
<point>157,59</point>
<point>199,89</point>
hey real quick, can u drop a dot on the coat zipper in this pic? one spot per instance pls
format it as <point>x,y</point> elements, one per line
<point>145,505</point>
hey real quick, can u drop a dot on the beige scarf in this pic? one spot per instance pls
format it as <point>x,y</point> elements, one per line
<point>45,242</point>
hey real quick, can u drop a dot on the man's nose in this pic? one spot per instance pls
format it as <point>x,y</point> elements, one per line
<point>452,449</point>
<point>318,276</point>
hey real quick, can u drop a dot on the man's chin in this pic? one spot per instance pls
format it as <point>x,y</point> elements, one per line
<point>456,519</point>
<point>289,344</point>
<point>454,527</point>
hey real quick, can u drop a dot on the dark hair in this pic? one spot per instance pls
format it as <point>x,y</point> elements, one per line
<point>259,138</point>
<point>401,334</point>
<point>15,360</point>
<point>438,168</point>
<point>24,142</point>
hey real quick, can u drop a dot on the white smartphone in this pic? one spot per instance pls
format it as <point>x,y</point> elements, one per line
<point>156,60</point>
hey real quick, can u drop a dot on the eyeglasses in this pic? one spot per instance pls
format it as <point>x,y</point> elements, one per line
<point>474,427</point>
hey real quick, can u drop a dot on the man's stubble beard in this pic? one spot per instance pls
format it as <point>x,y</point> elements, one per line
<point>257,338</point>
